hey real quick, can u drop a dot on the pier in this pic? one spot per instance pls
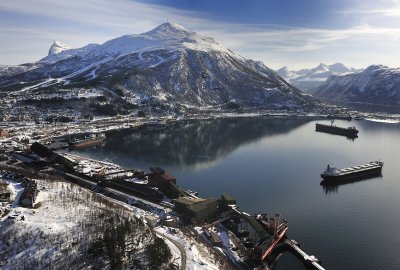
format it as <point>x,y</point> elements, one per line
<point>308,259</point>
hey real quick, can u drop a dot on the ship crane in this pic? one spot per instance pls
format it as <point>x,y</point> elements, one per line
<point>278,238</point>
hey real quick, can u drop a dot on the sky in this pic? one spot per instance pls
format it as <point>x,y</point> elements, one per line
<point>294,33</point>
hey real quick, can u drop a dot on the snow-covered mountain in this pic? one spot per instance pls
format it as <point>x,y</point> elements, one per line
<point>169,63</point>
<point>308,79</point>
<point>58,47</point>
<point>377,84</point>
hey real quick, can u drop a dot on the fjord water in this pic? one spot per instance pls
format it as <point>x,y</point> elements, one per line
<point>273,166</point>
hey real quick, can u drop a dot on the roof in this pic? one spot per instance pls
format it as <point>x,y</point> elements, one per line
<point>157,170</point>
<point>196,207</point>
<point>256,226</point>
<point>152,218</point>
<point>227,197</point>
<point>168,177</point>
<point>188,201</point>
<point>41,150</point>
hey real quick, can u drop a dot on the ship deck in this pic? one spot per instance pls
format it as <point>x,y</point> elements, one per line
<point>360,168</point>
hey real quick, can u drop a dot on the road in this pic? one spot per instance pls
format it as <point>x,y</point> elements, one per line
<point>178,245</point>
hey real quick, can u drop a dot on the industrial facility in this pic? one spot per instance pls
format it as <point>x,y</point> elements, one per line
<point>252,237</point>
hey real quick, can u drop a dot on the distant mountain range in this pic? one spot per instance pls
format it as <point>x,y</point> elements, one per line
<point>169,64</point>
<point>309,79</point>
<point>377,84</point>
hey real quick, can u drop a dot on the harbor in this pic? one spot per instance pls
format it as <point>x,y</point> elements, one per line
<point>259,184</point>
<point>249,239</point>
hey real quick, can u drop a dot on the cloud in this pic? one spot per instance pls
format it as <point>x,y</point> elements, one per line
<point>33,25</point>
<point>300,39</point>
<point>389,12</point>
<point>382,8</point>
<point>121,15</point>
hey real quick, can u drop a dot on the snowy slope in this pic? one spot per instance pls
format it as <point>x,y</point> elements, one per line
<point>377,84</point>
<point>308,79</point>
<point>58,47</point>
<point>169,63</point>
<point>167,36</point>
<point>68,221</point>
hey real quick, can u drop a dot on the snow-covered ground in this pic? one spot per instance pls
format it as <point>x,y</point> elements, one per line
<point>65,222</point>
<point>61,211</point>
<point>197,254</point>
<point>388,121</point>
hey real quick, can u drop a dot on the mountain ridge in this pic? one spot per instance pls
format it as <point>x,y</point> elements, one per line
<point>377,84</point>
<point>168,63</point>
<point>309,79</point>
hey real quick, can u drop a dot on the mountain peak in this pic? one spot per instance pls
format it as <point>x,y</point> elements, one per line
<point>58,47</point>
<point>339,68</point>
<point>321,66</point>
<point>170,30</point>
<point>284,72</point>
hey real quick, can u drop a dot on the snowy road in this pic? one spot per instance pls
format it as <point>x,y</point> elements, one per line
<point>181,249</point>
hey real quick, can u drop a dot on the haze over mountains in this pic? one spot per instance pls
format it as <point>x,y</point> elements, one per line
<point>169,64</point>
<point>308,79</point>
<point>377,84</point>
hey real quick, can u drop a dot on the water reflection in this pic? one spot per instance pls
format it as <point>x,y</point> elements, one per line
<point>284,258</point>
<point>274,165</point>
<point>334,187</point>
<point>197,143</point>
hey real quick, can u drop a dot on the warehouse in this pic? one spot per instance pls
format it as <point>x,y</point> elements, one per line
<point>197,210</point>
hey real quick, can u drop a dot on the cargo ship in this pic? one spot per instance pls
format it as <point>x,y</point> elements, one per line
<point>332,174</point>
<point>350,132</point>
<point>89,140</point>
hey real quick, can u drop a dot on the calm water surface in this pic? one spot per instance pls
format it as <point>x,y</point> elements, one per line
<point>273,165</point>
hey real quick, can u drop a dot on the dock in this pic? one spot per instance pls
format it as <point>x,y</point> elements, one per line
<point>308,259</point>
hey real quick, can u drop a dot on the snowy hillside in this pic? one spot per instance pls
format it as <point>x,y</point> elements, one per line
<point>169,64</point>
<point>308,79</point>
<point>377,84</point>
<point>68,221</point>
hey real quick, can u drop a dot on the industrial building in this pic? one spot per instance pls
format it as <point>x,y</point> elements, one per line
<point>165,182</point>
<point>227,201</point>
<point>197,210</point>
<point>51,156</point>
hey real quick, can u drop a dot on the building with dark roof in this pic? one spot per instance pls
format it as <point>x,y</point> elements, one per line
<point>165,182</point>
<point>196,210</point>
<point>226,201</point>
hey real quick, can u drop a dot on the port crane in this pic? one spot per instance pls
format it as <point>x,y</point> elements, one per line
<point>279,234</point>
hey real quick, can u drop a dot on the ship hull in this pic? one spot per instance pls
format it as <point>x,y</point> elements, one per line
<point>354,176</point>
<point>336,130</point>
<point>87,143</point>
